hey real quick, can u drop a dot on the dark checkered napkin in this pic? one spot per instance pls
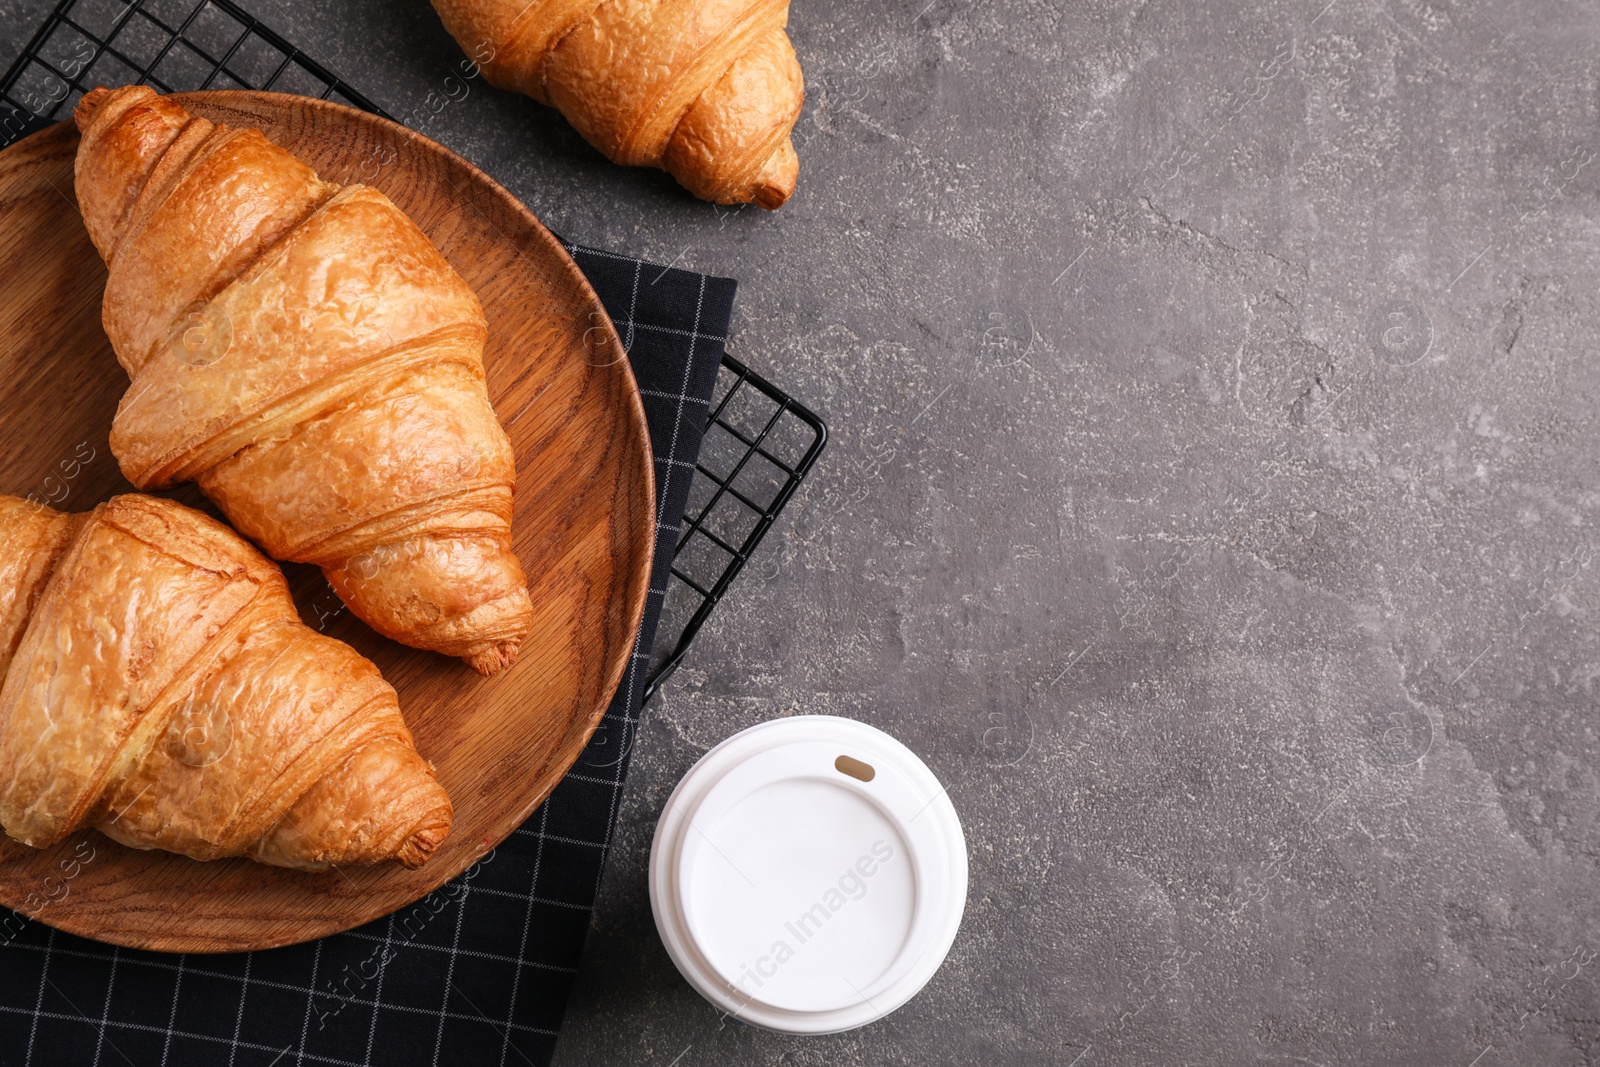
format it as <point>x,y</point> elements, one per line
<point>15,125</point>
<point>480,971</point>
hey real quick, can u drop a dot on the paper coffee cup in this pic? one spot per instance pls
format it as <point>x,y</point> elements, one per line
<point>808,875</point>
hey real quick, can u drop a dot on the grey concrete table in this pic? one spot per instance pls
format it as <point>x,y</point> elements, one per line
<point>1212,503</point>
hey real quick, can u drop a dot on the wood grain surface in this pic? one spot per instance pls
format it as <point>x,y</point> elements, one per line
<point>584,526</point>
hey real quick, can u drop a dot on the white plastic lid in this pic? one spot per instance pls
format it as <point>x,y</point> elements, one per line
<point>808,875</point>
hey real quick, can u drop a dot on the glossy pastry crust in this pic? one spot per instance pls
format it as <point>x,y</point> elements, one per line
<point>304,353</point>
<point>708,90</point>
<point>161,688</point>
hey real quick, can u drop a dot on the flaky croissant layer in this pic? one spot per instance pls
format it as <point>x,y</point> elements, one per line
<point>159,686</point>
<point>304,353</point>
<point>707,90</point>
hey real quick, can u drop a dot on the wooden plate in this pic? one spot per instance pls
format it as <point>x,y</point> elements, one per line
<point>584,527</point>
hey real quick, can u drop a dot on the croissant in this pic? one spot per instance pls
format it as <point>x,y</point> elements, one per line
<point>707,90</point>
<point>159,687</point>
<point>304,353</point>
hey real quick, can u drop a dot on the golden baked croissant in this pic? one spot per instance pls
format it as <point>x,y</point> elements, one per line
<point>304,352</point>
<point>707,90</point>
<point>159,687</point>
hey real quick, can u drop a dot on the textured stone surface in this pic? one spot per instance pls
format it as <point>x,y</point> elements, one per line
<point>1212,503</point>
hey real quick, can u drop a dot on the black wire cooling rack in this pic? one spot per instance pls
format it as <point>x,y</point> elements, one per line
<point>760,443</point>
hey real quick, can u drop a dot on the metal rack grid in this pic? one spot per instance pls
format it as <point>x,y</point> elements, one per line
<point>760,442</point>
<point>759,445</point>
<point>170,45</point>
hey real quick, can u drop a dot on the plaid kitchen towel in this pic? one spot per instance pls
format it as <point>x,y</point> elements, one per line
<point>478,972</point>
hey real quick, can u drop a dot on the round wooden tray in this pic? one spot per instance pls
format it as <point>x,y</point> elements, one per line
<point>584,526</point>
